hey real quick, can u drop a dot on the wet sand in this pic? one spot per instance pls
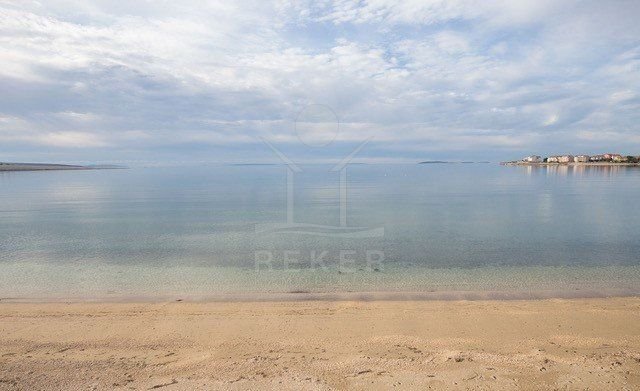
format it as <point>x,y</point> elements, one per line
<point>509,345</point>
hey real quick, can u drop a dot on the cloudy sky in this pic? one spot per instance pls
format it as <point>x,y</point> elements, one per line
<point>207,81</point>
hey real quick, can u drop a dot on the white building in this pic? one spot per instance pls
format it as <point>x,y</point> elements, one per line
<point>619,158</point>
<point>611,156</point>
<point>532,159</point>
<point>565,159</point>
<point>581,159</point>
<point>560,159</point>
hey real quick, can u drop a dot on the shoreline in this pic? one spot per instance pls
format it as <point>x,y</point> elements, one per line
<point>302,296</point>
<point>102,282</point>
<point>504,345</point>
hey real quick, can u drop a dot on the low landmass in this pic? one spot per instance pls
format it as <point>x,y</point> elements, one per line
<point>105,167</point>
<point>450,162</point>
<point>253,164</point>
<point>52,167</point>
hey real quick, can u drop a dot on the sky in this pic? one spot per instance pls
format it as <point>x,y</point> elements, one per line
<point>180,82</point>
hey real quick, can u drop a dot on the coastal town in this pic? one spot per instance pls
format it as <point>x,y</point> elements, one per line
<point>603,159</point>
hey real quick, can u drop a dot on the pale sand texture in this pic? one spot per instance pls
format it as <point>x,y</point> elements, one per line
<point>550,344</point>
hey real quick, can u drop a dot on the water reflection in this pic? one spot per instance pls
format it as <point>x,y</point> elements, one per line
<point>578,169</point>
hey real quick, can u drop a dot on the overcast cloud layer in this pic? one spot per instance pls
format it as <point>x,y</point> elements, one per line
<point>176,81</point>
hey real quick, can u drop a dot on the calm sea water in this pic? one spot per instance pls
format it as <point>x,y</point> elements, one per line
<point>228,230</point>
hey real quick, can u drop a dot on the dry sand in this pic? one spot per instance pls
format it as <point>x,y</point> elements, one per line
<point>548,344</point>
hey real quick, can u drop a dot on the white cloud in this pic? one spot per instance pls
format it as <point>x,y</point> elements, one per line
<point>72,140</point>
<point>457,75</point>
<point>551,120</point>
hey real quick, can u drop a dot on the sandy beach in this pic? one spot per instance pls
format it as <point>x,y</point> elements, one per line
<point>546,344</point>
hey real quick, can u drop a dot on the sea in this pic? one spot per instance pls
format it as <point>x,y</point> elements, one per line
<point>360,231</point>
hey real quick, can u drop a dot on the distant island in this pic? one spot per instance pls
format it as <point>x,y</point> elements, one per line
<point>52,167</point>
<point>447,162</point>
<point>253,164</point>
<point>603,159</point>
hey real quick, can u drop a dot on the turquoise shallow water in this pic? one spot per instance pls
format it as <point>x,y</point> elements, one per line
<point>226,230</point>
